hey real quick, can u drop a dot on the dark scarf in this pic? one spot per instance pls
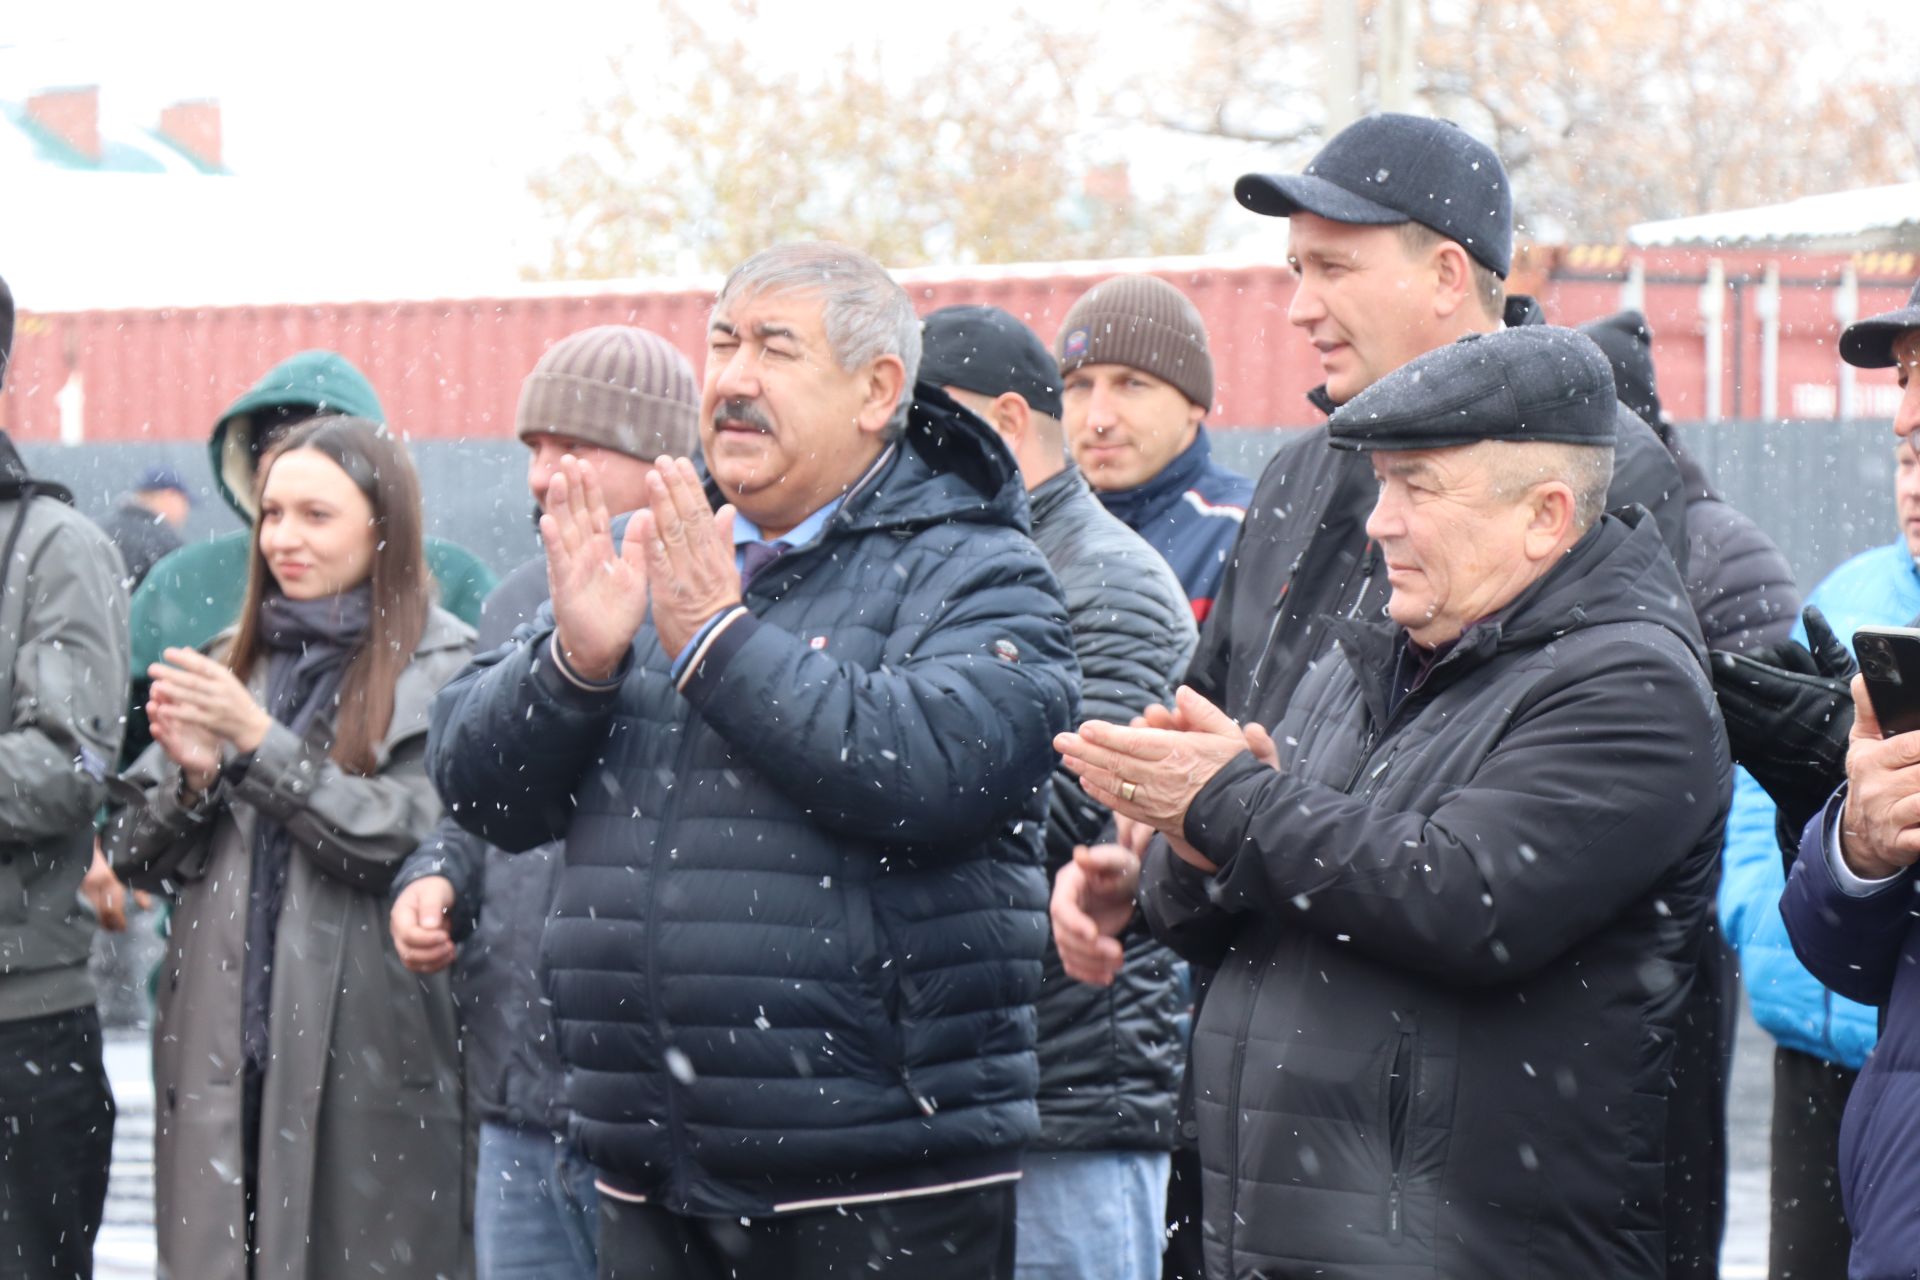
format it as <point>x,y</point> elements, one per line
<point>308,644</point>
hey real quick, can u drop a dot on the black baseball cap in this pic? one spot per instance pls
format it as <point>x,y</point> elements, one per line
<point>1391,168</point>
<point>1868,344</point>
<point>987,351</point>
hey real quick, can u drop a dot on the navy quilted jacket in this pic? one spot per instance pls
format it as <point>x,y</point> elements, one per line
<point>799,926</point>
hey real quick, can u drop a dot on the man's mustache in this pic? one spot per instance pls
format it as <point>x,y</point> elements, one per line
<point>744,413</point>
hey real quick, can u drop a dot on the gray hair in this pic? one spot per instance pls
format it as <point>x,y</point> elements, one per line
<point>866,312</point>
<point>1586,469</point>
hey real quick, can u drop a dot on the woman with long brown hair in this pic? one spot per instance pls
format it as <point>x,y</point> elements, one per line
<point>306,1085</point>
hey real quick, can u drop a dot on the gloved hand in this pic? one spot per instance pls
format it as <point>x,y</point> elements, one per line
<point>1788,711</point>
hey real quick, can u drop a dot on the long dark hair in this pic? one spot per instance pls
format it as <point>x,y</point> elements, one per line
<point>402,588</point>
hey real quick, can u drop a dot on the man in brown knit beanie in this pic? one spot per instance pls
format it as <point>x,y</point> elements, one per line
<point>616,398</point>
<point>1137,381</point>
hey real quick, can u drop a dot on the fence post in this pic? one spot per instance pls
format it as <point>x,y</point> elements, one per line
<point>1713,310</point>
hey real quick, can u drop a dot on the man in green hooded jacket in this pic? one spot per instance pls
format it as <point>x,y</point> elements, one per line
<point>193,594</point>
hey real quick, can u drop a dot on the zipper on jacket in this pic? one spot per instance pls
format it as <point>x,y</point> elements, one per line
<point>1233,1105</point>
<point>676,1182</point>
<point>1399,1124</point>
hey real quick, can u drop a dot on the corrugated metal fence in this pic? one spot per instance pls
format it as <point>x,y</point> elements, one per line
<point>1823,490</point>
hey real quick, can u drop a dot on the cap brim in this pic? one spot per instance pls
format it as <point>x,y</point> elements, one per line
<point>1281,195</point>
<point>1868,344</point>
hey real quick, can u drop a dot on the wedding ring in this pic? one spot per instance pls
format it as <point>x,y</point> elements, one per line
<point>1126,792</point>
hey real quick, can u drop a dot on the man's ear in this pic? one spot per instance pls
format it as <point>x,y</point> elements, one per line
<point>1452,279</point>
<point>1551,515</point>
<point>1013,419</point>
<point>886,382</point>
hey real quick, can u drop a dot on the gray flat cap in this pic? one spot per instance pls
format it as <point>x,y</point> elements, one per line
<point>1538,383</point>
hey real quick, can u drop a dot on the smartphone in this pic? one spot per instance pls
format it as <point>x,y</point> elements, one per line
<point>1889,658</point>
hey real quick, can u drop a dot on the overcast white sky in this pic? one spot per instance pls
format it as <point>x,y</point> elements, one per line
<point>430,105</point>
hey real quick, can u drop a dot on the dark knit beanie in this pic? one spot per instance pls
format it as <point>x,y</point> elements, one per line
<point>617,387</point>
<point>1144,323</point>
<point>1628,344</point>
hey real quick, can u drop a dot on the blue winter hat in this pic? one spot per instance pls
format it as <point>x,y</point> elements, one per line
<point>1391,168</point>
<point>162,477</point>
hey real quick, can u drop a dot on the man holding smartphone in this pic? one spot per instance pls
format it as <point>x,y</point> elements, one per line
<point>1849,902</point>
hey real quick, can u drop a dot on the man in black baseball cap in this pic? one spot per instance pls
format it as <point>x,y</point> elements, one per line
<point>1110,1059</point>
<point>1400,235</point>
<point>1891,341</point>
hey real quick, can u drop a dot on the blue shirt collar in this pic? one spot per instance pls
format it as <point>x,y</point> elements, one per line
<point>745,530</point>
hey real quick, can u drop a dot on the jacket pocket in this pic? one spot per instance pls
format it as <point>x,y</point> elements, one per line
<point>885,984</point>
<point>1402,1065</point>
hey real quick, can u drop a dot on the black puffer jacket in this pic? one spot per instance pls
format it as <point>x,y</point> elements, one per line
<point>1453,941</point>
<point>802,908</point>
<point>501,904</point>
<point>1110,1057</point>
<point>1742,588</point>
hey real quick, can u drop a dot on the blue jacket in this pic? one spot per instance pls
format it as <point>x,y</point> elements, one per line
<point>1868,949</point>
<point>801,913</point>
<point>1190,513</point>
<point>1881,587</point>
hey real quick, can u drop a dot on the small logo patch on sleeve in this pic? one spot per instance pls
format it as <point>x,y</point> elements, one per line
<point>818,642</point>
<point>1006,650</point>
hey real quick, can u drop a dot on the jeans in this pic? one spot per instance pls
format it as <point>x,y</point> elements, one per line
<point>535,1210</point>
<point>1091,1215</point>
<point>56,1141</point>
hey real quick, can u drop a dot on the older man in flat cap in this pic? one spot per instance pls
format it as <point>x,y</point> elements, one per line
<point>1454,901</point>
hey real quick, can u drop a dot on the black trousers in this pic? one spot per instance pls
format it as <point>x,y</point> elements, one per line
<point>962,1235</point>
<point>1697,1113</point>
<point>1808,1231</point>
<point>56,1143</point>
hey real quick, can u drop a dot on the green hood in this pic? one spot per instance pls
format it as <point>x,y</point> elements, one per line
<point>323,380</point>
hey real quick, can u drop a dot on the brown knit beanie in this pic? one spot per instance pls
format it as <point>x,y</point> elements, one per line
<point>617,387</point>
<point>1144,323</point>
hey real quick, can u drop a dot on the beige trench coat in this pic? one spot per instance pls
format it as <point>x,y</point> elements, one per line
<point>362,1168</point>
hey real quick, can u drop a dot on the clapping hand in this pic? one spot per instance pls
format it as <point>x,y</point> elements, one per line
<point>194,706</point>
<point>1150,773</point>
<point>690,557</point>
<point>1092,902</point>
<point>599,591</point>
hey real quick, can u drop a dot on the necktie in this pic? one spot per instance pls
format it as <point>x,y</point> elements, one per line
<point>755,556</point>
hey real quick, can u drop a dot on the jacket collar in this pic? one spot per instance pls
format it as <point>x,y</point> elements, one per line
<point>1593,583</point>
<point>1056,493</point>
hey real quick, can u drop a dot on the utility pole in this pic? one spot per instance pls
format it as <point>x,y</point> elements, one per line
<point>1340,40</point>
<point>1399,54</point>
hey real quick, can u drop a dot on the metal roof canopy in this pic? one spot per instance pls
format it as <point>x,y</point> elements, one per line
<point>1841,222</point>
